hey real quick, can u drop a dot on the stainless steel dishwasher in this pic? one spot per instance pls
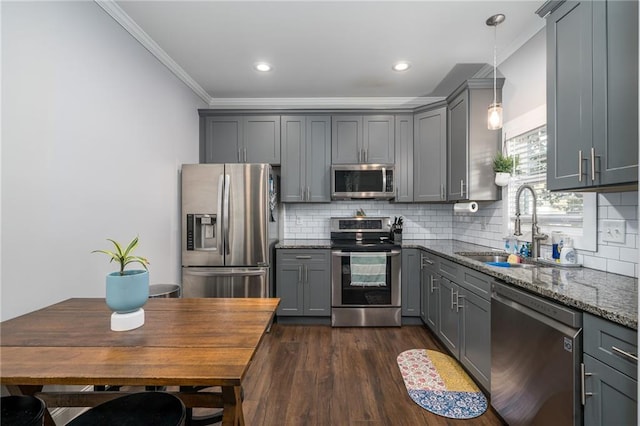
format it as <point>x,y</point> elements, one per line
<point>536,350</point>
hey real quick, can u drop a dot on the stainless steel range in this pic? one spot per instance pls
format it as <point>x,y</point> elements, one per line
<point>365,273</point>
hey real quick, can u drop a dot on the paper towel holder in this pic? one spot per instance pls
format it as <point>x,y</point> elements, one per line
<point>468,207</point>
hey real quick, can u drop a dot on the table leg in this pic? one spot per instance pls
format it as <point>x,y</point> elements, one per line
<point>232,414</point>
<point>31,390</point>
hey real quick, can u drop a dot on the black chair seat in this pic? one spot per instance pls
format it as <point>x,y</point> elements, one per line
<point>21,410</point>
<point>145,408</point>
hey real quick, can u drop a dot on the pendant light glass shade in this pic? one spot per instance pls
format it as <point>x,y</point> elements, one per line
<point>494,116</point>
<point>494,113</point>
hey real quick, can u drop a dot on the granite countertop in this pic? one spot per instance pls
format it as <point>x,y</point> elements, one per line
<point>610,296</point>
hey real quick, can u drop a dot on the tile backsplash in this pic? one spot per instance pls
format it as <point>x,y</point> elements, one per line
<point>421,221</point>
<point>615,257</point>
<point>485,227</point>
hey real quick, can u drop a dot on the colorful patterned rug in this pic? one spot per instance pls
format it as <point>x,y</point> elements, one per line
<point>437,383</point>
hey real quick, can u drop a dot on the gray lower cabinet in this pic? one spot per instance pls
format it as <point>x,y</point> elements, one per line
<point>471,146</point>
<point>610,373</point>
<point>592,94</point>
<point>475,336</point>
<point>303,282</point>
<point>362,139</point>
<point>429,291</point>
<point>449,327</point>
<point>240,139</point>
<point>306,159</point>
<point>430,155</point>
<point>404,158</point>
<point>410,288</point>
<point>463,315</point>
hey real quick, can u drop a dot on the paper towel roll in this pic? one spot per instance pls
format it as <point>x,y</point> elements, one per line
<point>470,207</point>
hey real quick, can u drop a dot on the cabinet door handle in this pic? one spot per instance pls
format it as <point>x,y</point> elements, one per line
<point>462,188</point>
<point>245,155</point>
<point>452,303</point>
<point>442,192</point>
<point>303,257</point>
<point>300,273</point>
<point>366,155</point>
<point>580,165</point>
<point>631,356</point>
<point>239,155</point>
<point>458,297</point>
<point>584,394</point>
<point>431,281</point>
<point>593,164</point>
<point>306,274</point>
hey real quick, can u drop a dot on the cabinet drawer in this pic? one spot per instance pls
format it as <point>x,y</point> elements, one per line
<point>297,256</point>
<point>476,282</point>
<point>428,261</point>
<point>448,269</point>
<point>604,340</point>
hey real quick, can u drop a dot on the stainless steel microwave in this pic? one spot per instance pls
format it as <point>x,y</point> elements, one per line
<point>374,181</point>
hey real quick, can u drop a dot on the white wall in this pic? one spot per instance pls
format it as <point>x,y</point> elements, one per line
<point>94,130</point>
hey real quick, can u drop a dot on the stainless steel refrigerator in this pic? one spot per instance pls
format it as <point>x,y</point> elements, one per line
<point>225,247</point>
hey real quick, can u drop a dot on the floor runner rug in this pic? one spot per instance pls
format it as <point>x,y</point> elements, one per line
<point>437,383</point>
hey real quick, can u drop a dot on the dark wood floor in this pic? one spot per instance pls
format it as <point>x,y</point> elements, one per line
<point>318,375</point>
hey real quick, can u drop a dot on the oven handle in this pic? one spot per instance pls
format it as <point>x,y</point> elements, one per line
<point>391,253</point>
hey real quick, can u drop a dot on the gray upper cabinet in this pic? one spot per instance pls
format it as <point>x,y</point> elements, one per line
<point>615,91</point>
<point>306,158</point>
<point>362,139</point>
<point>472,146</point>
<point>262,139</point>
<point>379,139</point>
<point>430,155</point>
<point>404,159</point>
<point>221,138</point>
<point>592,94</point>
<point>240,139</point>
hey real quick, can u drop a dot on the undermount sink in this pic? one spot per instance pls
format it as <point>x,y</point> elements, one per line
<point>488,257</point>
<point>502,258</point>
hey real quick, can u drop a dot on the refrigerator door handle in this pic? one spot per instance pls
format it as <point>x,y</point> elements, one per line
<point>220,216</point>
<point>224,272</point>
<point>227,182</point>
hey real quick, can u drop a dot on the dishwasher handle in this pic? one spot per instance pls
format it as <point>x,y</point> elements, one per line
<point>542,307</point>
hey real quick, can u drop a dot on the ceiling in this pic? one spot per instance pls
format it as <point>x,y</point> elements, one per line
<point>325,49</point>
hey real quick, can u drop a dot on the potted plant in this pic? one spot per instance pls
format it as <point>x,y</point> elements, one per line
<point>504,166</point>
<point>126,290</point>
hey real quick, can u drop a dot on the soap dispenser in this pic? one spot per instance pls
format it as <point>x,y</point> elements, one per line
<point>568,253</point>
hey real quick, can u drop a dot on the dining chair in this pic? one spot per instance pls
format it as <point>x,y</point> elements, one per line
<point>22,410</point>
<point>143,408</point>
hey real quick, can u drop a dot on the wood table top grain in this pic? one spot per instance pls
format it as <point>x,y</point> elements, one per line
<point>183,342</point>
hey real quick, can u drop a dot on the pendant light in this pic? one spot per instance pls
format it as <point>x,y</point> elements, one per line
<point>494,114</point>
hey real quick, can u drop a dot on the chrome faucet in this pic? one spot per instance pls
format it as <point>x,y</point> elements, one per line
<point>536,236</point>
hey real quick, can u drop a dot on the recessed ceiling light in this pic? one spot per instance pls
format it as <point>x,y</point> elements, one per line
<point>262,67</point>
<point>401,66</point>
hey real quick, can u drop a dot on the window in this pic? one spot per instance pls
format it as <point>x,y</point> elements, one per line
<point>568,212</point>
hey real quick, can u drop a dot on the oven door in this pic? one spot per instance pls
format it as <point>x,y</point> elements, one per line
<point>365,278</point>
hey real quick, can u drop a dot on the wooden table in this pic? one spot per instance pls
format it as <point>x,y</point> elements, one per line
<point>184,342</point>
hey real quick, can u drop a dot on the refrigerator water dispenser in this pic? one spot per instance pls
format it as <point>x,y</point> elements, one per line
<point>201,232</point>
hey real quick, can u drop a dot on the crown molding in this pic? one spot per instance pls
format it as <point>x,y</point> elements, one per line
<point>315,103</point>
<point>121,17</point>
